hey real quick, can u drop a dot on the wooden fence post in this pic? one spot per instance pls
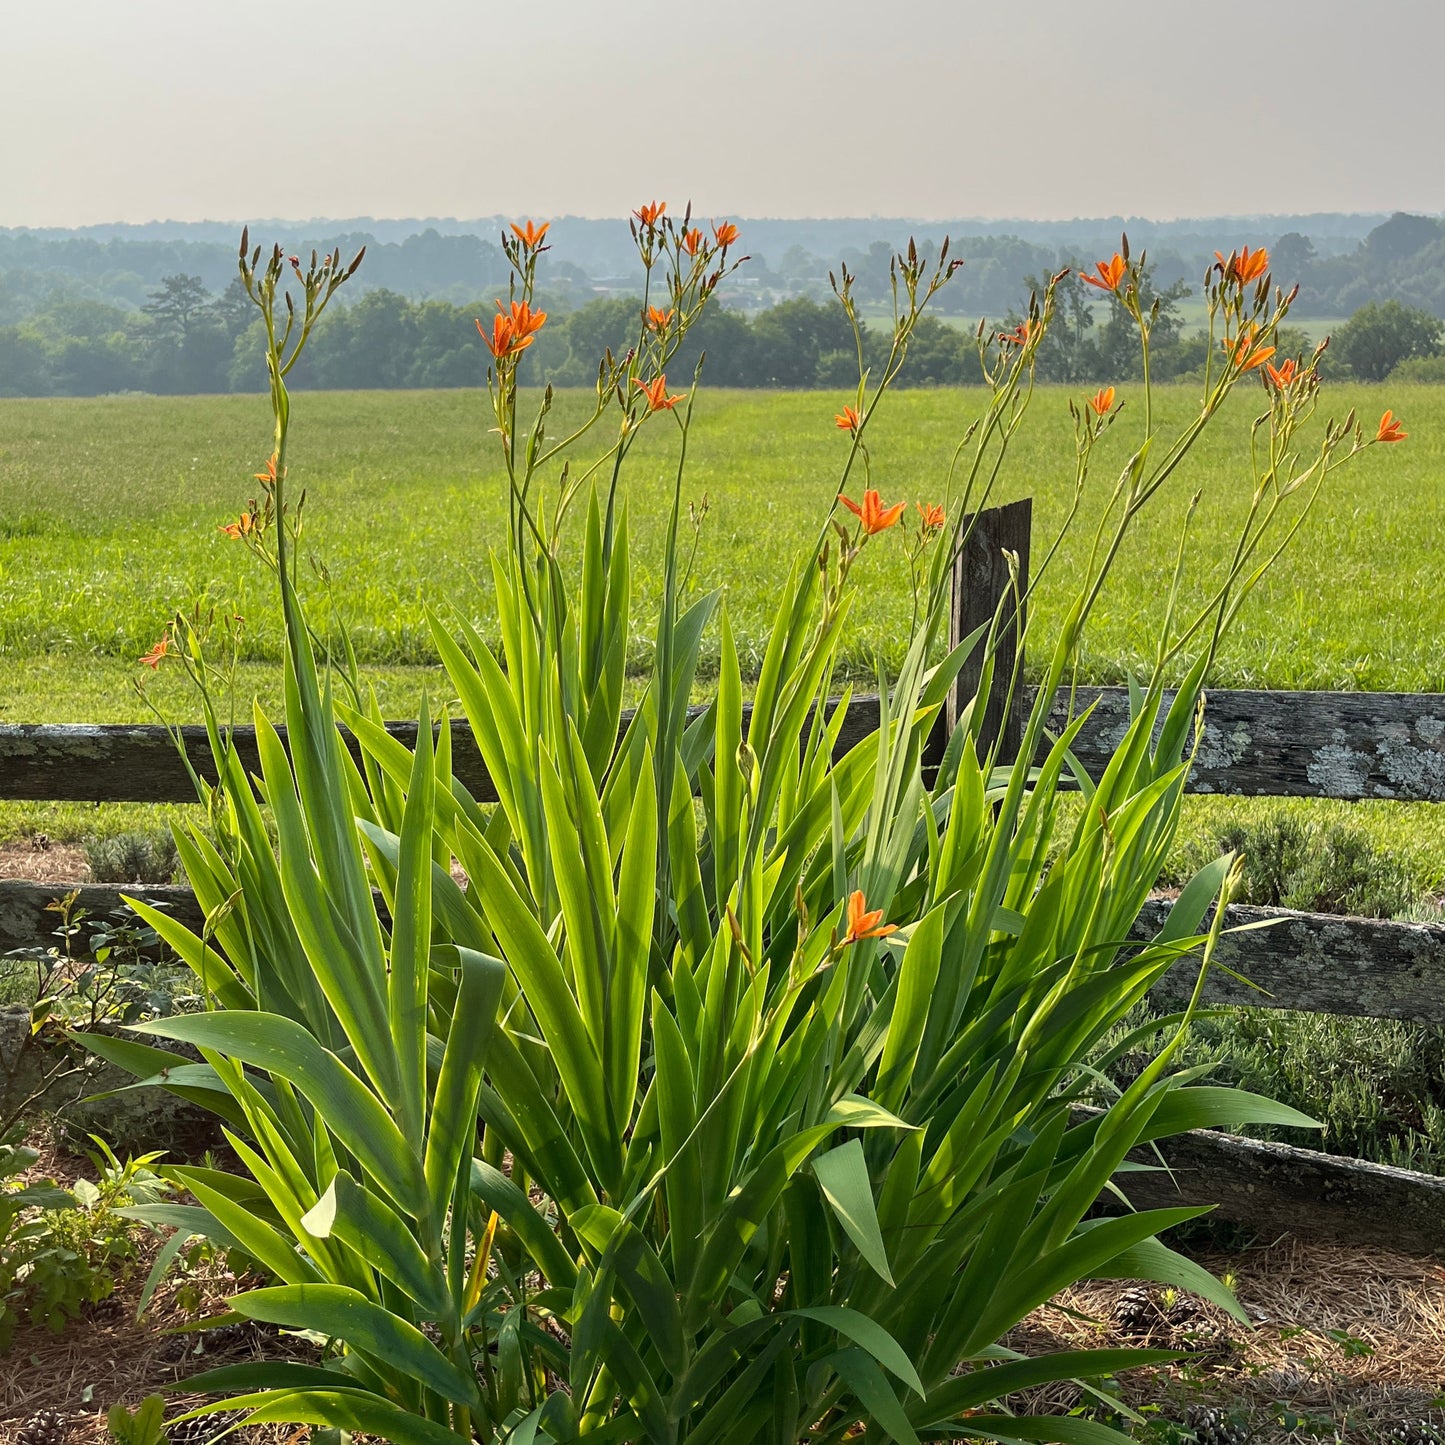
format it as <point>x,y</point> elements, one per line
<point>980,578</point>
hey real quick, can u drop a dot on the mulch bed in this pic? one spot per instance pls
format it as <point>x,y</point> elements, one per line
<point>37,860</point>
<point>1382,1368</point>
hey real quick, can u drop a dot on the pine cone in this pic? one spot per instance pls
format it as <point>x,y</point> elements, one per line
<point>1181,1310</point>
<point>202,1428</point>
<point>1415,1432</point>
<point>1136,1313</point>
<point>239,1334</point>
<point>44,1427</point>
<point>1205,1339</point>
<point>1212,1426</point>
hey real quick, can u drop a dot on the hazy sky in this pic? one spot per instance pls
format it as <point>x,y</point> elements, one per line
<point>136,110</point>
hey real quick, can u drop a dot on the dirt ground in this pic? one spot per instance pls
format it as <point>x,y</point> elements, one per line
<point>39,860</point>
<point>1347,1345</point>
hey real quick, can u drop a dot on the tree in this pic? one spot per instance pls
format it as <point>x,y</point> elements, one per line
<point>790,339</point>
<point>1068,351</point>
<point>1118,340</point>
<point>1401,236</point>
<point>1291,255</point>
<point>178,305</point>
<point>609,323</point>
<point>1382,334</point>
<point>938,355</point>
<point>233,310</point>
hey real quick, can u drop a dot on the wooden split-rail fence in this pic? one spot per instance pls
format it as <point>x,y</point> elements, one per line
<point>1349,745</point>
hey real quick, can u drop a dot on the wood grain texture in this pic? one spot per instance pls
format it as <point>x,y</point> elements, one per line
<point>1296,744</point>
<point>981,577</point>
<point>1277,1189</point>
<point>1317,963</point>
<point>1256,744</point>
<point>29,918</point>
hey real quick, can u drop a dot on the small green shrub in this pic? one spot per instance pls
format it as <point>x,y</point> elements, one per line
<point>1311,865</point>
<point>1377,1085</point>
<point>79,1245</point>
<point>145,1425</point>
<point>1420,371</point>
<point>132,858</point>
<point>101,967</point>
<point>20,1228</point>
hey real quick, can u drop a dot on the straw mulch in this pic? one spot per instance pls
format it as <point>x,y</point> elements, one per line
<point>1383,1368</point>
<point>1347,1344</point>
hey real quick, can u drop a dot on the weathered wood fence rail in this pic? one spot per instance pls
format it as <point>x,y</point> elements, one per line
<point>1255,744</point>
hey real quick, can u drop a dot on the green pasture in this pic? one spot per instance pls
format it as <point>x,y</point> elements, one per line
<point>110,509</point>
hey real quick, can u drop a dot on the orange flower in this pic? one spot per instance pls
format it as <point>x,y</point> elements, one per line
<point>524,321</point>
<point>499,343</point>
<point>863,922</point>
<point>1244,266</point>
<point>1019,336</point>
<point>847,420</point>
<point>726,233</point>
<point>269,475</point>
<point>1242,355</point>
<point>691,240</point>
<point>1102,402</point>
<point>243,526</point>
<point>933,516</point>
<point>531,238</point>
<point>656,393</point>
<point>1111,273</point>
<point>162,649</point>
<point>659,319</point>
<point>1390,429</point>
<point>872,513</point>
<point>512,331</point>
<point>1282,375</point>
<point>650,214</point>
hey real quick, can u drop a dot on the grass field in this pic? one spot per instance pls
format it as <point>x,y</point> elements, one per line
<point>109,512</point>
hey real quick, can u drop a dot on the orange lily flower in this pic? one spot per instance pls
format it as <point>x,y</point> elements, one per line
<point>1102,402</point>
<point>512,331</point>
<point>1111,273</point>
<point>1244,266</point>
<point>1390,430</point>
<point>162,649</point>
<point>864,922</point>
<point>269,475</point>
<point>1282,375</point>
<point>1241,353</point>
<point>531,238</point>
<point>243,526</point>
<point>1019,336</point>
<point>691,240</point>
<point>499,343</point>
<point>650,214</point>
<point>656,393</point>
<point>524,321</point>
<point>874,516</point>
<point>726,233</point>
<point>847,420</point>
<point>933,516</point>
<point>659,319</point>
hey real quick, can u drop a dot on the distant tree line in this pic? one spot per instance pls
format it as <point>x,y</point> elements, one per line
<point>186,339</point>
